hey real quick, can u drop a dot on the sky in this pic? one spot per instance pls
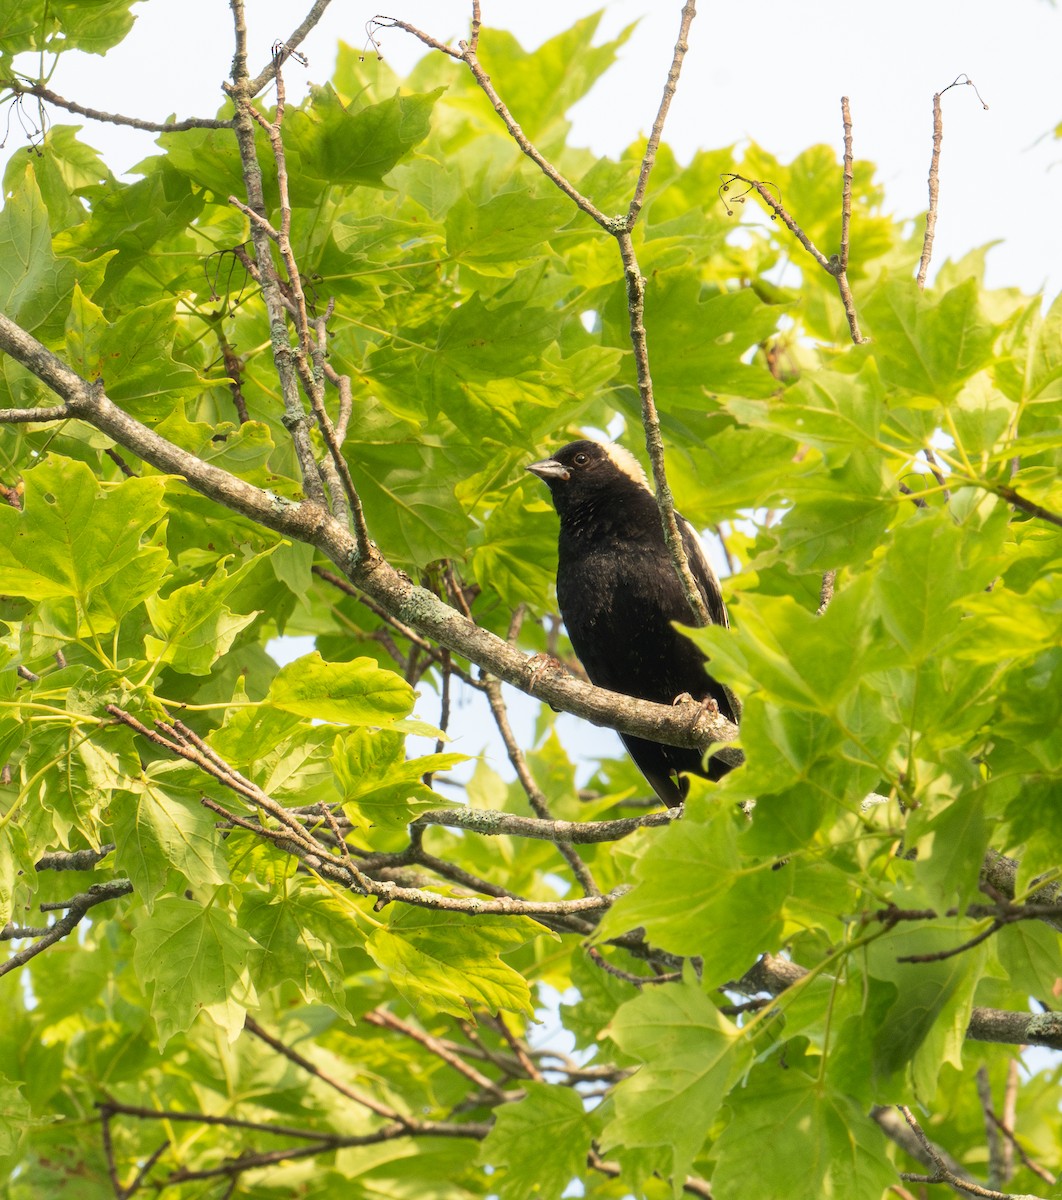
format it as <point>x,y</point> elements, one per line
<point>769,70</point>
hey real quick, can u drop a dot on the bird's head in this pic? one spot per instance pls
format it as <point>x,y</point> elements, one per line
<point>584,470</point>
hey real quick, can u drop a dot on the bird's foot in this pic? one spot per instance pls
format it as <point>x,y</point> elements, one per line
<point>538,665</point>
<point>708,704</point>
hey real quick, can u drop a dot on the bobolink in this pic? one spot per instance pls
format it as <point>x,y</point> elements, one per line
<point>619,594</point>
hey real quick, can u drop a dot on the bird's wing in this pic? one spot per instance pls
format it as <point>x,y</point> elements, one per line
<point>703,573</point>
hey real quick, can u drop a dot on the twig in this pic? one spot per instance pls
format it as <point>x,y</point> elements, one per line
<point>492,823</point>
<point>829,579</point>
<point>310,357</point>
<point>1012,497</point>
<point>337,1085</point>
<point>995,1142</point>
<point>76,908</point>
<point>535,796</point>
<point>295,419</point>
<point>294,39</point>
<point>934,193</point>
<point>109,1108</point>
<point>24,416</point>
<point>689,11</point>
<point>934,176</point>
<point>840,269</point>
<point>943,1173</point>
<point>73,860</point>
<point>383,1019</point>
<point>1011,1143</point>
<point>22,88</point>
<point>654,440</point>
<point>1010,1106</point>
<point>638,981</point>
<point>517,1047</point>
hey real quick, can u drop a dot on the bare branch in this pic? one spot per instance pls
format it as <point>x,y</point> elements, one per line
<point>21,88</point>
<point>535,796</point>
<point>829,580</point>
<point>689,11</point>
<point>76,908</point>
<point>467,54</point>
<point>689,724</point>
<point>995,1142</point>
<point>934,176</point>
<point>934,193</point>
<point>840,268</point>
<point>73,860</point>
<point>383,1019</point>
<point>337,1085</point>
<point>25,416</point>
<point>493,823</point>
<point>942,1172</point>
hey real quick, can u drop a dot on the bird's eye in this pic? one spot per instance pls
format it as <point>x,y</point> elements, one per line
<point>581,459</point>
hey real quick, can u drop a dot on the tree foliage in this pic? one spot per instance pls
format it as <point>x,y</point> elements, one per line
<point>284,383</point>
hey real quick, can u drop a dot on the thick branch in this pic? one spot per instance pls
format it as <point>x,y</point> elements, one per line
<point>687,724</point>
<point>774,975</point>
<point>492,823</point>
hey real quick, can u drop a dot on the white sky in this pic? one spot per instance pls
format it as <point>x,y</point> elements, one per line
<point>765,69</point>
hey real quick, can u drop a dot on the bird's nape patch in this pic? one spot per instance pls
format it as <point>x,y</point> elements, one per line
<point>623,460</point>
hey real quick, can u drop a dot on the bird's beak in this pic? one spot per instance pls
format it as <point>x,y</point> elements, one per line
<point>549,468</point>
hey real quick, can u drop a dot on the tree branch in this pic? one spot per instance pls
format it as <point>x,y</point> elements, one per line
<point>942,1172</point>
<point>492,823</point>
<point>688,724</point>
<point>21,88</point>
<point>76,908</point>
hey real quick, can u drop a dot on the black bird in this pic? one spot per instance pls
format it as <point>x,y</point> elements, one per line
<point>618,594</point>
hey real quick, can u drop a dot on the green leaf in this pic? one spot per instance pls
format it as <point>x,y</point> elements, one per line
<point>379,784</point>
<point>504,230</point>
<point>697,345</point>
<point>515,554</point>
<point>694,895</point>
<point>35,285</point>
<point>542,1142</point>
<point>74,534</point>
<point>826,409</point>
<point>137,365</point>
<point>15,1115</point>
<point>350,693</point>
<point>690,1053</point>
<point>194,625</point>
<point>806,1141</point>
<point>451,962</point>
<point>93,28</point>
<point>301,935</point>
<point>925,572</point>
<point>926,348</point>
<point>336,145</point>
<point>925,1024</point>
<point>160,826</point>
<point>194,960</point>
